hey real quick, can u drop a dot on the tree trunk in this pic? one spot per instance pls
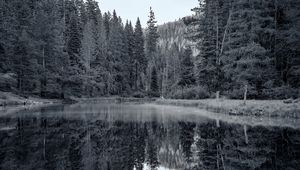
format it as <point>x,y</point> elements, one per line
<point>218,95</point>
<point>245,94</point>
<point>246,135</point>
<point>136,75</point>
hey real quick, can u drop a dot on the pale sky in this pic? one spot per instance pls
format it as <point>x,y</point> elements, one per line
<point>165,10</point>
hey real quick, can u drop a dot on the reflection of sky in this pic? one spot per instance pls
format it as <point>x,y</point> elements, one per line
<point>165,10</point>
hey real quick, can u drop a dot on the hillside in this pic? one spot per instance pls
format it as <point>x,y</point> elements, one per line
<point>174,33</point>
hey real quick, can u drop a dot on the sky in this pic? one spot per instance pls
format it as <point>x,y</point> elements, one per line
<point>165,10</point>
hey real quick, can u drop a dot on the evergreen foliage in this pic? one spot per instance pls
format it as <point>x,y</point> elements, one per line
<point>238,43</point>
<point>154,88</point>
<point>187,69</point>
<point>64,48</point>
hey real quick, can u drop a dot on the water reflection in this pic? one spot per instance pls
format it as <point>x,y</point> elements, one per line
<point>118,137</point>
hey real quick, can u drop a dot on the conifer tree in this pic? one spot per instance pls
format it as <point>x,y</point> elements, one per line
<point>128,61</point>
<point>208,36</point>
<point>154,88</point>
<point>116,55</point>
<point>48,32</point>
<point>107,24</point>
<point>245,59</point>
<point>139,55</point>
<point>287,42</point>
<point>187,69</point>
<point>151,38</point>
<point>151,44</point>
<point>88,44</point>
<point>74,42</point>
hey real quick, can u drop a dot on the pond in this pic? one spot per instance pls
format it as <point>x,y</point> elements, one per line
<point>143,136</point>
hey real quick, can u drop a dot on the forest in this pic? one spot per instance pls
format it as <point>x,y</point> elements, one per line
<point>64,48</point>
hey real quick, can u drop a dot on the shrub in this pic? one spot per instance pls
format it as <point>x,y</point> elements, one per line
<point>197,92</point>
<point>153,94</point>
<point>283,92</point>
<point>8,82</point>
<point>275,93</point>
<point>238,93</point>
<point>139,94</point>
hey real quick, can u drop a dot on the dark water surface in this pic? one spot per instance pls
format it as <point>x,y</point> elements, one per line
<point>126,137</point>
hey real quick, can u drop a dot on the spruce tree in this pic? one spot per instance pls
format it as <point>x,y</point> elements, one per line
<point>25,64</point>
<point>107,24</point>
<point>245,59</point>
<point>154,88</point>
<point>207,35</point>
<point>187,69</point>
<point>74,42</point>
<point>287,42</point>
<point>76,66</point>
<point>88,44</point>
<point>116,55</point>
<point>129,49</point>
<point>139,55</point>
<point>151,38</point>
<point>48,32</point>
<point>151,44</point>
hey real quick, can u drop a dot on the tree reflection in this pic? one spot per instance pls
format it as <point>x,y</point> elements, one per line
<point>62,143</point>
<point>187,139</point>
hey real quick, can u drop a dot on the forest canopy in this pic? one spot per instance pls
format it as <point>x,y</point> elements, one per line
<point>63,48</point>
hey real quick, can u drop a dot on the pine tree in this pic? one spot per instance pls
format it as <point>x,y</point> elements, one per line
<point>187,69</point>
<point>48,32</point>
<point>92,8</point>
<point>116,56</point>
<point>287,42</point>
<point>151,45</point>
<point>151,38</point>
<point>75,70</point>
<point>8,33</point>
<point>88,44</point>
<point>107,18</point>
<point>129,61</point>
<point>139,55</point>
<point>25,64</point>
<point>74,43</point>
<point>209,26</point>
<point>245,60</point>
<point>154,88</point>
<point>82,15</point>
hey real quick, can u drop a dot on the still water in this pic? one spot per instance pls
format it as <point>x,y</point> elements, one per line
<point>142,137</point>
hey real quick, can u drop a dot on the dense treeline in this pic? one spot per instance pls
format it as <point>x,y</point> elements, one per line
<point>59,48</point>
<point>251,45</point>
<point>67,48</point>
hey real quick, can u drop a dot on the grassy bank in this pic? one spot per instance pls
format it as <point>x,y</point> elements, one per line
<point>114,99</point>
<point>10,99</point>
<point>267,108</point>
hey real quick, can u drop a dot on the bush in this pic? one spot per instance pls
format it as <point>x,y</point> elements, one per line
<point>139,94</point>
<point>190,93</point>
<point>153,94</point>
<point>8,82</point>
<point>275,93</point>
<point>238,93</point>
<point>283,92</point>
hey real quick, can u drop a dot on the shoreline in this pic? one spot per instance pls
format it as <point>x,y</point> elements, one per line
<point>257,108</point>
<point>10,100</point>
